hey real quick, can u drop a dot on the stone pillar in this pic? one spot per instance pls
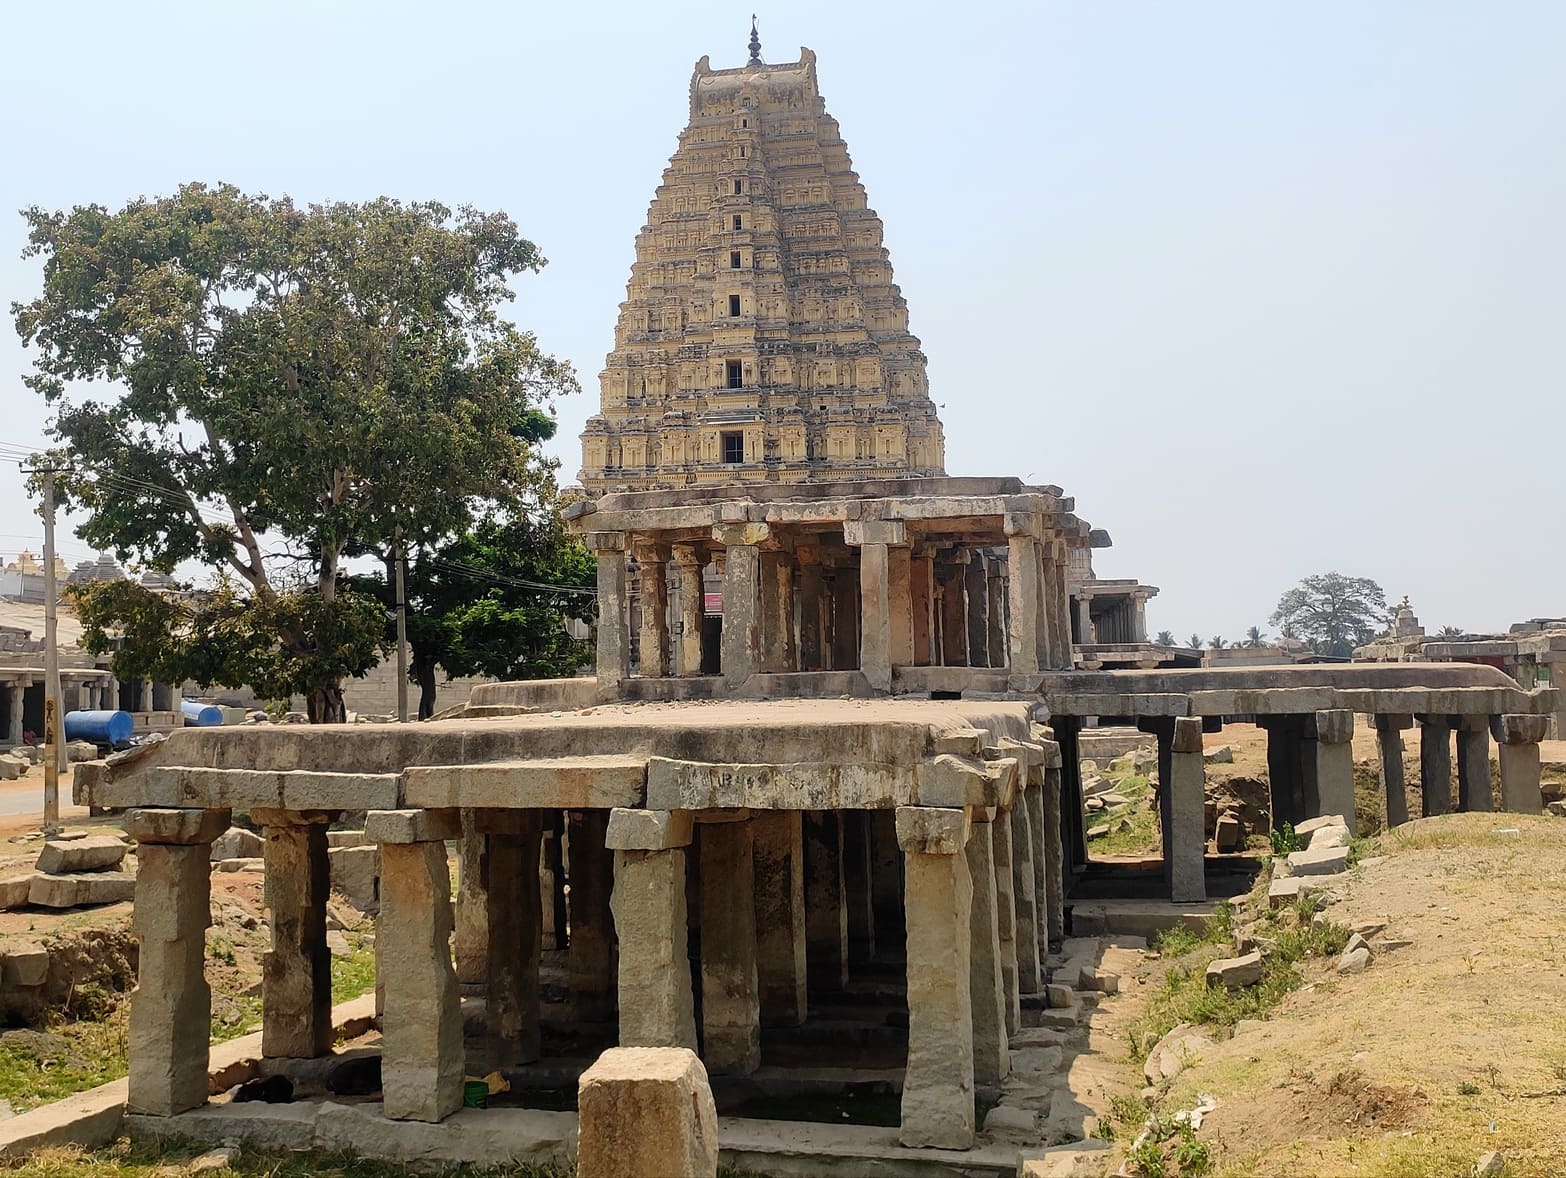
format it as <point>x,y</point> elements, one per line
<point>693,607</point>
<point>296,973</point>
<point>995,591</point>
<point>171,1007</point>
<point>1033,799</point>
<point>1334,737</point>
<point>812,605</point>
<point>899,604</point>
<point>1474,792</point>
<point>514,926</point>
<point>779,858</point>
<point>921,592</point>
<point>146,695</point>
<point>954,611</point>
<point>590,871</point>
<point>18,694</point>
<point>937,1105</point>
<point>1022,573</point>
<point>613,634</point>
<point>422,1061</point>
<point>886,876</point>
<point>1517,738</point>
<point>653,636</point>
<point>826,909</point>
<point>857,895</point>
<point>986,990</point>
<point>1284,780</point>
<point>1084,627</point>
<point>845,619</point>
<point>656,1006</point>
<point>741,585</point>
<point>1073,833</point>
<point>1435,764</point>
<point>1185,839</point>
<point>1024,892</point>
<point>471,939</point>
<point>977,584</point>
<point>1006,918</point>
<point>1389,742</point>
<point>730,999</point>
<point>1054,846</point>
<point>875,623</point>
<point>777,611</point>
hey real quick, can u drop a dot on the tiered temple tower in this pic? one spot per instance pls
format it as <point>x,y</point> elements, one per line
<point>762,338</point>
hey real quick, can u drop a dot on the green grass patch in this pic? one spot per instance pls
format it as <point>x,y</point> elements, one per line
<point>355,974</point>
<point>145,1159</point>
<point>37,1067</point>
<point>1142,836</point>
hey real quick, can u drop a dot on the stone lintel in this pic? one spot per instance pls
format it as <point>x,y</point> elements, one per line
<point>647,830</point>
<point>1333,726</point>
<point>184,828</point>
<point>560,783</point>
<point>495,821</point>
<point>271,816</point>
<point>1264,701</point>
<point>1513,729</point>
<point>1068,703</point>
<point>238,789</point>
<point>928,830</point>
<point>718,817</point>
<point>732,534</point>
<point>699,785</point>
<point>891,532</point>
<point>412,826</point>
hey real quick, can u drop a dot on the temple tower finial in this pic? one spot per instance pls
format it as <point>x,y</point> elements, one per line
<point>755,42</point>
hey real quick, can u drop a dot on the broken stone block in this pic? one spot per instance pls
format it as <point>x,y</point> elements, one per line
<point>1234,972</point>
<point>1367,928</point>
<point>237,843</point>
<point>1227,834</point>
<point>1356,941</point>
<point>1490,1162</point>
<point>1077,1160</point>
<point>1100,831</point>
<point>355,873</point>
<point>1329,836</point>
<point>1060,997</point>
<point>13,891</point>
<point>79,889</point>
<point>1283,892</point>
<point>1222,755</point>
<point>1326,861</point>
<point>80,750</point>
<point>12,767</point>
<point>1306,830</point>
<point>222,1158</point>
<point>1388,944</point>
<point>1101,980</point>
<point>98,852</point>
<point>646,1110</point>
<point>1354,961</point>
<point>1179,1049</point>
<point>25,965</point>
<point>1113,799</point>
<point>1007,1123</point>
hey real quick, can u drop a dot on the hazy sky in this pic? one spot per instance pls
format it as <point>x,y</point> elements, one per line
<point>1270,289</point>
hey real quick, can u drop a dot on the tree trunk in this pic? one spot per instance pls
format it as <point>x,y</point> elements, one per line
<point>426,677</point>
<point>326,705</point>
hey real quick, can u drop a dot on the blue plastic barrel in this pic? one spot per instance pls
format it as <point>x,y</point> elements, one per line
<point>99,727</point>
<point>200,715</point>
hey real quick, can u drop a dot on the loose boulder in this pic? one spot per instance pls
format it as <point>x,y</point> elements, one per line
<point>237,843</point>
<point>1235,972</point>
<point>97,852</point>
<point>646,1110</point>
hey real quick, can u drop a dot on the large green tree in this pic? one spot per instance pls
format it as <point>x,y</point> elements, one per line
<point>269,388</point>
<point>1332,613</point>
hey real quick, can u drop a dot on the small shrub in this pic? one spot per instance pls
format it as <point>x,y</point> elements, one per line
<point>1148,1158</point>
<point>1284,840</point>
<point>1192,1158</point>
<point>1467,1089</point>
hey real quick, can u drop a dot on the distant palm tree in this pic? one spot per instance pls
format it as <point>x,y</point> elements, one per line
<point>1194,642</point>
<point>1165,638</point>
<point>1450,632</point>
<point>1254,637</point>
<point>1217,642</point>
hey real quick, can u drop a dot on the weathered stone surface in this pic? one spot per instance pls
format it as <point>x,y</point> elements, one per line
<point>239,789</point>
<point>77,890</point>
<point>1307,830</point>
<point>1228,835</point>
<point>24,965</point>
<point>1328,837</point>
<point>236,843</point>
<point>1009,1123</point>
<point>77,751</point>
<point>296,972</point>
<point>646,1111</point>
<point>355,872</point>
<point>656,1008</point>
<point>991,1061</point>
<point>412,826</point>
<point>779,858</point>
<point>647,830</point>
<point>931,831</point>
<point>1060,996</point>
<point>180,827</point>
<point>591,951</point>
<point>578,782</point>
<point>512,942</point>
<point>1186,842</point>
<point>171,1007</point>
<point>1354,961</point>
<point>1078,1160</point>
<point>1234,972</point>
<point>14,891</point>
<point>96,852</point>
<point>1175,1052</point>
<point>12,768</point>
<point>1222,755</point>
<point>810,785</point>
<point>1326,861</point>
<point>731,1008</point>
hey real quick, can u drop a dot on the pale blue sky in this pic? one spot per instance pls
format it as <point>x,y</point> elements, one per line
<point>1270,289</point>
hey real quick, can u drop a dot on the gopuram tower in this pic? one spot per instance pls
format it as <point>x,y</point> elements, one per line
<point>762,338</point>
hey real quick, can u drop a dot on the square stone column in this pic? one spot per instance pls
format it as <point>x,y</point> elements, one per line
<point>1058,587</point>
<point>845,619</point>
<point>1073,831</point>
<point>613,647</point>
<point>812,612</point>
<point>741,598</point>
<point>991,1053</point>
<point>1474,793</point>
<point>171,1007</point>
<point>693,608</point>
<point>777,612</point>
<point>1285,779</point>
<point>1022,582</point>
<point>886,876</point>
<point>937,1105</point>
<point>422,1060</point>
<point>296,973</point>
<point>590,872</point>
<point>1389,743</point>
<point>1435,764</point>
<point>1083,631</point>
<point>1054,847</point>
<point>730,998</point>
<point>1024,892</point>
<point>1006,919</point>
<point>656,1005</point>
<point>857,876</point>
<point>954,611</point>
<point>471,939</point>
<point>778,852</point>
<point>921,593</point>
<point>514,923</point>
<point>826,906</point>
<point>1334,737</point>
<point>977,584</point>
<point>653,632</point>
<point>18,694</point>
<point>899,604</point>
<point>1185,838</point>
<point>875,622</point>
<point>1517,738</point>
<point>1033,798</point>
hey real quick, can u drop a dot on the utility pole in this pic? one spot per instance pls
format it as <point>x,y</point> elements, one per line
<point>402,627</point>
<point>54,717</point>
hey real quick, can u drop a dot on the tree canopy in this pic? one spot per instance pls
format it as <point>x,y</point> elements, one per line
<point>1332,613</point>
<point>271,389</point>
